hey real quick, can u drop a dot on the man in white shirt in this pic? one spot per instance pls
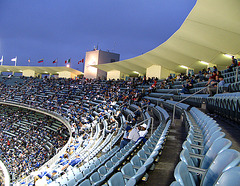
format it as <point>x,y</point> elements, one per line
<point>134,135</point>
<point>143,131</point>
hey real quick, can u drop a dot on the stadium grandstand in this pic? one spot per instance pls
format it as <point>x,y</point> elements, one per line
<point>182,129</point>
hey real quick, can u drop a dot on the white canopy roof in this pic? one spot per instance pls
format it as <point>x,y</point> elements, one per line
<point>39,70</point>
<point>211,30</point>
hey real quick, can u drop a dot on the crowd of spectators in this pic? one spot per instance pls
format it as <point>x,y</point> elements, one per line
<point>24,148</point>
<point>73,100</point>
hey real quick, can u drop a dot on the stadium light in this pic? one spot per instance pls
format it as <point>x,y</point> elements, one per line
<point>182,66</point>
<point>228,55</point>
<point>205,63</point>
<point>135,72</point>
<point>67,65</point>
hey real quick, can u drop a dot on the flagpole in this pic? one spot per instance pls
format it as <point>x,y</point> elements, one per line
<point>16,61</point>
<point>2,61</point>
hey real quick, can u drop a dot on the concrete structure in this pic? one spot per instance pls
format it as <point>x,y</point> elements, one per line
<point>97,57</point>
<point>63,72</point>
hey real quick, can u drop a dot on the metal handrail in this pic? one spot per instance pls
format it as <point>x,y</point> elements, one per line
<point>137,110</point>
<point>174,106</point>
<point>165,95</point>
<point>236,78</point>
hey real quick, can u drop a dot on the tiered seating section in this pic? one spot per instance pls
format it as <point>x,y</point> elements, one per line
<point>206,157</point>
<point>97,112</point>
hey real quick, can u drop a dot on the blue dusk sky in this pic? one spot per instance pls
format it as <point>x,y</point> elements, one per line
<point>66,29</point>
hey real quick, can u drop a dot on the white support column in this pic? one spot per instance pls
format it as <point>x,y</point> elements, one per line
<point>154,71</point>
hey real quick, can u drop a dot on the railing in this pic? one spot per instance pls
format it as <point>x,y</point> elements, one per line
<point>174,106</point>
<point>236,78</point>
<point>52,114</point>
<point>166,95</point>
<point>136,110</point>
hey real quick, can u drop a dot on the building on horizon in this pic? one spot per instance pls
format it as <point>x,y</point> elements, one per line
<point>97,57</point>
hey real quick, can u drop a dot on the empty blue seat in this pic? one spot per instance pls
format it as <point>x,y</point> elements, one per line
<point>136,162</point>
<point>102,170</point>
<point>85,183</point>
<point>229,177</point>
<point>129,172</point>
<point>116,180</point>
<point>217,147</point>
<point>95,177</point>
<point>182,175</point>
<point>225,160</point>
<point>175,183</point>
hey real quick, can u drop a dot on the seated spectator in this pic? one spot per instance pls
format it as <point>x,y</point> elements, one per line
<point>215,69</point>
<point>125,139</point>
<point>234,64</point>
<point>143,130</point>
<point>134,134</point>
<point>211,78</point>
<point>218,82</point>
<point>186,88</point>
<point>209,71</point>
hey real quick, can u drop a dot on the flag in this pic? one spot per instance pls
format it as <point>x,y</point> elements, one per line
<point>55,61</point>
<point>81,61</point>
<point>15,60</point>
<point>29,60</point>
<point>40,61</point>
<point>68,61</point>
<point>1,61</point>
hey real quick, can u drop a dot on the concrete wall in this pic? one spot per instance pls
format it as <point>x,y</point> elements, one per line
<point>154,71</point>
<point>66,74</point>
<point>114,74</point>
<point>91,58</point>
<point>97,57</point>
<point>28,73</point>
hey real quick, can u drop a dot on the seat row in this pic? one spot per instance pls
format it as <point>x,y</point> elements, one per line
<point>227,105</point>
<point>206,154</point>
<point>136,169</point>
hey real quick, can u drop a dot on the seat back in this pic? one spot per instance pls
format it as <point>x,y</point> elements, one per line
<point>85,183</point>
<point>114,159</point>
<point>229,177</point>
<point>94,177</point>
<point>216,135</point>
<point>182,174</point>
<point>102,170</point>
<point>210,132</point>
<point>217,147</point>
<point>128,170</point>
<point>109,164</point>
<point>142,154</point>
<point>136,161</point>
<point>225,160</point>
<point>116,180</point>
<point>185,157</point>
<point>86,171</point>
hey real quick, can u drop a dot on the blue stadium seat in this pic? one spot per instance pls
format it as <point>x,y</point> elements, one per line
<point>225,160</point>
<point>116,180</point>
<point>182,175</point>
<point>229,177</point>
<point>85,183</point>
